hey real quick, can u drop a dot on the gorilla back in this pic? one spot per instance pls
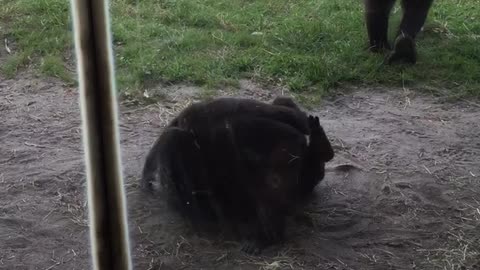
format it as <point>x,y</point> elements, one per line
<point>198,116</point>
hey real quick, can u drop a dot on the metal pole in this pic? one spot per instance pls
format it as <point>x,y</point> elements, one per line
<point>106,199</point>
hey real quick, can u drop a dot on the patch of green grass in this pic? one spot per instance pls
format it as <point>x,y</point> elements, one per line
<point>40,30</point>
<point>13,63</point>
<point>308,45</point>
<point>53,65</point>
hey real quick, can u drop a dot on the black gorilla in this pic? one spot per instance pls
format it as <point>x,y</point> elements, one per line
<point>377,13</point>
<point>241,160</point>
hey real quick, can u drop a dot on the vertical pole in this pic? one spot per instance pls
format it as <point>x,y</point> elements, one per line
<point>106,199</point>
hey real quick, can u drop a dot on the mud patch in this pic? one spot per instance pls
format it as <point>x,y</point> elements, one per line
<point>400,194</point>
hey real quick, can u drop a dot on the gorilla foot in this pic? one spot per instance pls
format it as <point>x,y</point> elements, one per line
<point>404,50</point>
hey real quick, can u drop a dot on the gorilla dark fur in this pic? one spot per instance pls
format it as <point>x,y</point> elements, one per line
<point>238,158</point>
<point>377,13</point>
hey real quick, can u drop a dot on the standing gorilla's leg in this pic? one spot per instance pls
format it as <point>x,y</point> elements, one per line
<point>414,16</point>
<point>175,162</point>
<point>377,13</point>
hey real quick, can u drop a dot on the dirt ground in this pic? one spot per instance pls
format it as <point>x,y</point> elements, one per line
<point>410,200</point>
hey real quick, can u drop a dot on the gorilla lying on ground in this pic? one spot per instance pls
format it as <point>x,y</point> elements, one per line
<point>377,13</point>
<point>240,160</point>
